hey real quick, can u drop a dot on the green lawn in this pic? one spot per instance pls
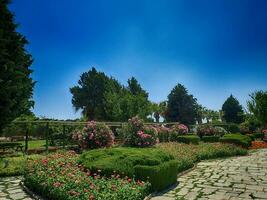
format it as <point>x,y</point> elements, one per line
<point>32,144</point>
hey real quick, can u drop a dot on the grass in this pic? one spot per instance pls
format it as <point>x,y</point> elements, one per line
<point>32,144</point>
<point>12,166</point>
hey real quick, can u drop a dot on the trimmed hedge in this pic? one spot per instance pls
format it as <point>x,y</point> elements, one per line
<point>258,135</point>
<point>210,138</point>
<point>188,139</point>
<point>238,139</point>
<point>152,164</point>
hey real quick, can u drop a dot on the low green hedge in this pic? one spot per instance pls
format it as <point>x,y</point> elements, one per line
<point>238,139</point>
<point>188,139</point>
<point>210,138</point>
<point>152,164</point>
<point>258,135</point>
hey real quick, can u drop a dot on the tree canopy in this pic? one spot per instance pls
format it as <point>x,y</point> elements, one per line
<point>16,84</point>
<point>258,106</point>
<point>103,98</point>
<point>181,106</point>
<point>232,111</point>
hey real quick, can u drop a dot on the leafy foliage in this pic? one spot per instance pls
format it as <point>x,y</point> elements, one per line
<point>103,98</point>
<point>258,106</point>
<point>16,85</point>
<point>94,135</point>
<point>188,139</point>
<point>59,176</point>
<point>237,139</point>
<point>232,111</point>
<point>181,106</point>
<point>158,165</point>
<point>135,133</point>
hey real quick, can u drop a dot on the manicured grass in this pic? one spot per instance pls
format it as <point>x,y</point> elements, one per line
<point>152,164</point>
<point>32,144</point>
<point>11,166</point>
<point>187,155</point>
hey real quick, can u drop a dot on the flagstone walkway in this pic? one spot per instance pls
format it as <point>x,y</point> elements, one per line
<point>236,178</point>
<point>10,189</point>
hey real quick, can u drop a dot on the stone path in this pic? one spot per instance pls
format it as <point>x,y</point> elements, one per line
<point>10,189</point>
<point>239,178</point>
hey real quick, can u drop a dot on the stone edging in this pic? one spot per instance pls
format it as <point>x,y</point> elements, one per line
<point>164,191</point>
<point>29,192</point>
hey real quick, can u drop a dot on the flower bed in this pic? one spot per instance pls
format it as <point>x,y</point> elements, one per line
<point>187,155</point>
<point>59,176</point>
<point>258,145</point>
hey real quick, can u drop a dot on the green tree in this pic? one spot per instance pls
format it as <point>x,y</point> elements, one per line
<point>89,94</point>
<point>135,88</point>
<point>181,106</point>
<point>128,103</point>
<point>232,111</point>
<point>16,85</point>
<point>258,106</point>
<point>159,110</point>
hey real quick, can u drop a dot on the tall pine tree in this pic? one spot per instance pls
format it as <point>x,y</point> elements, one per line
<point>232,111</point>
<point>181,106</point>
<point>16,85</point>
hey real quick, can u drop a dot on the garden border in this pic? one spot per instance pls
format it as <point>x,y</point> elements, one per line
<point>158,194</point>
<point>31,193</point>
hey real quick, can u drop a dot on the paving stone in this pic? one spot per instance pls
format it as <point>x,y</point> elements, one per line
<point>11,190</point>
<point>225,179</point>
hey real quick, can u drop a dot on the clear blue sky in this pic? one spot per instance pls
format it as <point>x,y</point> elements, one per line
<point>214,48</point>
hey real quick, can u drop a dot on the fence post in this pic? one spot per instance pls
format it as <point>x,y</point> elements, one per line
<point>64,136</point>
<point>46,136</point>
<point>26,138</point>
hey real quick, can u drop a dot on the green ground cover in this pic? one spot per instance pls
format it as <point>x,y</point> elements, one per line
<point>12,166</point>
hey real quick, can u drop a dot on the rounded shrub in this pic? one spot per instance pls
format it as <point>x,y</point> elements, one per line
<point>237,139</point>
<point>136,134</point>
<point>163,133</point>
<point>178,130</point>
<point>233,128</point>
<point>205,130</point>
<point>244,128</point>
<point>219,131</point>
<point>94,135</point>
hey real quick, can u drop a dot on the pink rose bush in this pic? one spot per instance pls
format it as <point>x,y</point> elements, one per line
<point>94,135</point>
<point>135,133</point>
<point>163,133</point>
<point>178,130</point>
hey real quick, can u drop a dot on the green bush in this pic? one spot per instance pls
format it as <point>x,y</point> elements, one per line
<point>210,138</point>
<point>163,133</point>
<point>238,139</point>
<point>140,163</point>
<point>137,134</point>
<point>233,128</point>
<point>188,139</point>
<point>258,135</point>
<point>94,135</point>
<point>160,176</point>
<point>251,136</point>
